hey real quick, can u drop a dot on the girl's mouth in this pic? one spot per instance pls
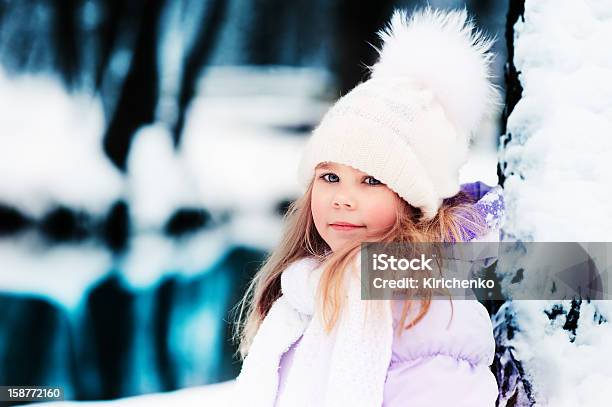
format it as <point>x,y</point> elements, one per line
<point>345,226</point>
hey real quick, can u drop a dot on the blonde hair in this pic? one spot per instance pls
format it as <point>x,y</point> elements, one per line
<point>453,221</point>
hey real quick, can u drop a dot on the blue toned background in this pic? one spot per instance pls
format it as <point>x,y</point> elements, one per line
<point>147,154</point>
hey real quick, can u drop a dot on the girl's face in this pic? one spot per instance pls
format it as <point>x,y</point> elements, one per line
<point>349,205</point>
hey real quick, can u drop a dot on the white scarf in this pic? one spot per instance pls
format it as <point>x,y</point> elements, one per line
<point>346,368</point>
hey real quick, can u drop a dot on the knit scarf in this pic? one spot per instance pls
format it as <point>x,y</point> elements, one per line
<point>347,367</point>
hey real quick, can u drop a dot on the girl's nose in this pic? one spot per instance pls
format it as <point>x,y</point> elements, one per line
<point>343,201</point>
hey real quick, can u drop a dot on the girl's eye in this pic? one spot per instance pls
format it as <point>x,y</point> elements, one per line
<point>330,177</point>
<point>372,181</point>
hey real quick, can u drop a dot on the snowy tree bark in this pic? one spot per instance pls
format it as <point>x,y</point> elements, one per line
<point>555,171</point>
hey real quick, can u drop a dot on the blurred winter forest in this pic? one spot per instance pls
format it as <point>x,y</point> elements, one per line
<point>147,154</point>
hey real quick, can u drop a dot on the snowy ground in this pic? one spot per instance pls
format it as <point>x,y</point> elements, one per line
<point>202,396</point>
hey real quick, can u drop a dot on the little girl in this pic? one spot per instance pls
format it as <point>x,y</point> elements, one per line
<point>382,166</point>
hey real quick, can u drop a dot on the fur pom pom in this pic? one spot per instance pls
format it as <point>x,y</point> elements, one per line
<point>441,51</point>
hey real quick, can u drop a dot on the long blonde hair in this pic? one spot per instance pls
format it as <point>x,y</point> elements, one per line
<point>453,221</point>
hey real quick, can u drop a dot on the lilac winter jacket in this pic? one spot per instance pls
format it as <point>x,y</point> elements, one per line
<point>442,361</point>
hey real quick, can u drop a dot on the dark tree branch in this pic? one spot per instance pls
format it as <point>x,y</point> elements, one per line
<point>514,90</point>
<point>197,59</point>
<point>140,91</point>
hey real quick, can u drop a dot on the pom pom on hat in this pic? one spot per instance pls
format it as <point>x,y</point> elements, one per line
<point>442,51</point>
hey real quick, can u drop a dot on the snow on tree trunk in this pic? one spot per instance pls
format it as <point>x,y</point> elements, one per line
<point>555,166</point>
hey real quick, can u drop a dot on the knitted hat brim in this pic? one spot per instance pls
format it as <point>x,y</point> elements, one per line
<point>397,167</point>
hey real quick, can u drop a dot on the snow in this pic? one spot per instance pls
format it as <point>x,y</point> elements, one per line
<point>564,373</point>
<point>561,127</point>
<point>236,159</point>
<point>557,186</point>
<point>210,396</point>
<point>158,182</point>
<point>62,274</point>
<point>153,256</point>
<point>57,153</point>
<point>481,166</point>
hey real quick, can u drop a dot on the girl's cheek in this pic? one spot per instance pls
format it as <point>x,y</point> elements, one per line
<point>385,211</point>
<point>387,217</point>
<point>315,208</point>
<point>318,206</point>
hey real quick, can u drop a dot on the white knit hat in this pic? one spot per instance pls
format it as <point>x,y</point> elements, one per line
<point>410,124</point>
